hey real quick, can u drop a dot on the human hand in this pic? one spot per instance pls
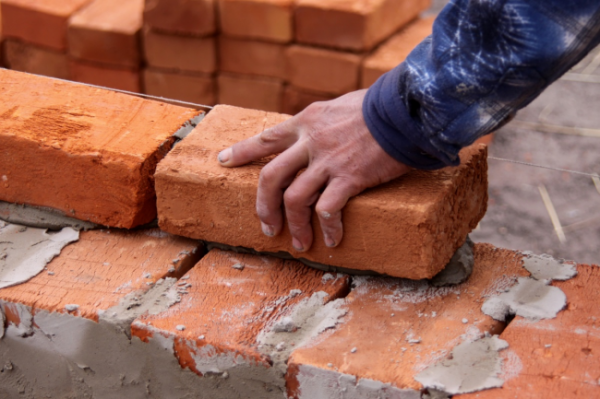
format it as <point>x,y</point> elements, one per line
<point>342,159</point>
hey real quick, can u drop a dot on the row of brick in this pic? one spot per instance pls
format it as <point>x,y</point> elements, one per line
<point>371,339</point>
<point>92,154</point>
<point>105,42</point>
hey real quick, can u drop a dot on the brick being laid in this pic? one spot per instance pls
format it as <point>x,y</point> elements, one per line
<point>395,50</point>
<point>198,88</point>
<point>395,329</point>
<point>25,57</point>
<point>181,17</point>
<point>66,331</point>
<point>179,53</point>
<point>252,57</point>
<point>39,22</point>
<point>105,75</point>
<point>322,70</point>
<point>416,223</point>
<point>87,152</point>
<point>269,20</point>
<point>107,31</point>
<point>253,92</point>
<point>241,317</point>
<point>351,25</point>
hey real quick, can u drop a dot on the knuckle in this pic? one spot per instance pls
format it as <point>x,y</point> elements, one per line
<point>292,199</point>
<point>267,174</point>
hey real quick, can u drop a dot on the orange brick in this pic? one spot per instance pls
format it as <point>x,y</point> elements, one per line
<point>386,316</point>
<point>186,17</point>
<point>105,75</point>
<point>296,100</point>
<point>107,31</point>
<point>195,88</point>
<point>352,25</point>
<point>24,57</point>
<point>269,20</point>
<point>180,53</point>
<point>251,57</point>
<point>395,50</point>
<point>416,222</point>
<point>555,358</point>
<point>90,153</point>
<point>324,71</point>
<point>250,92</point>
<point>102,268</point>
<point>231,299</point>
<point>40,22</point>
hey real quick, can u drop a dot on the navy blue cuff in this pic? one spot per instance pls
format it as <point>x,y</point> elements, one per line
<point>393,128</point>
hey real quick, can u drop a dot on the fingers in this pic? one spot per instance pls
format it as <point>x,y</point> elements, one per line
<point>269,142</point>
<point>275,177</point>
<point>298,200</point>
<point>329,209</point>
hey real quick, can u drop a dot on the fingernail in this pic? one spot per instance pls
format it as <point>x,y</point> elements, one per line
<point>268,230</point>
<point>225,155</point>
<point>297,245</point>
<point>329,242</point>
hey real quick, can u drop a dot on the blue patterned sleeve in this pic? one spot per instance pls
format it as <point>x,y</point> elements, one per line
<point>485,60</point>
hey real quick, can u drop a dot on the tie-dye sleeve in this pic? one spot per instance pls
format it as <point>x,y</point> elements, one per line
<point>485,60</point>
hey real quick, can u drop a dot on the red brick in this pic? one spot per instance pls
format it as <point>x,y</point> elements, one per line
<point>557,358</point>
<point>384,314</point>
<point>180,53</point>
<point>352,25</point>
<point>395,50</point>
<point>24,57</point>
<point>40,22</point>
<point>107,31</point>
<point>324,71</point>
<point>101,268</point>
<point>88,152</point>
<point>185,17</point>
<point>230,307</point>
<point>296,100</point>
<point>252,57</point>
<point>250,92</point>
<point>105,75</point>
<point>194,88</point>
<point>269,20</point>
<point>416,222</point>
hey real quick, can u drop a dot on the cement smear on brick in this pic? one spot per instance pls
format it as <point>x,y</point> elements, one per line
<point>545,267</point>
<point>188,126</point>
<point>460,267</point>
<point>472,366</point>
<point>25,251</point>
<point>40,217</point>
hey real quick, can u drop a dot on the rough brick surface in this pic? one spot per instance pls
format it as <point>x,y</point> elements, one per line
<point>231,298</point>
<point>107,31</point>
<point>252,57</point>
<point>194,88</point>
<point>295,100</point>
<point>186,17</point>
<point>87,152</point>
<point>325,71</point>
<point>352,25</point>
<point>102,268</point>
<point>415,223</point>
<point>269,20</point>
<point>105,75</point>
<point>180,53</point>
<point>385,314</point>
<point>41,22</point>
<point>24,57</point>
<point>556,358</point>
<point>395,50</point>
<point>258,93</point>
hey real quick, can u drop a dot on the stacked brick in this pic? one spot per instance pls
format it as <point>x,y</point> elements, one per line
<point>272,55</point>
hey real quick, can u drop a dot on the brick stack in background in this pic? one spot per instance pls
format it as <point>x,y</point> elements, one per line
<point>180,49</point>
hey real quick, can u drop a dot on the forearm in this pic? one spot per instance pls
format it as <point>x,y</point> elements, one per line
<point>484,61</point>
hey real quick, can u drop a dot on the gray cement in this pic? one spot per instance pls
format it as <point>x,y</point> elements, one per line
<point>545,267</point>
<point>460,267</point>
<point>472,366</point>
<point>25,251</point>
<point>41,217</point>
<point>190,125</point>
